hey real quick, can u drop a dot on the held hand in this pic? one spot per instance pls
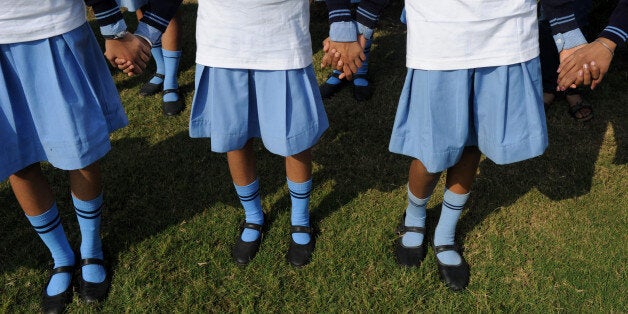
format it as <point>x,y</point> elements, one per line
<point>587,65</point>
<point>351,57</point>
<point>129,48</point>
<point>563,55</point>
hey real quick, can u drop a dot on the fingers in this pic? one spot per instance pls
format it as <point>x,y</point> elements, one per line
<point>586,77</point>
<point>326,44</point>
<point>595,71</point>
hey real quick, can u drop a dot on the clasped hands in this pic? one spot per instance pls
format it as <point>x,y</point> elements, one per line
<point>344,56</point>
<point>129,53</point>
<point>585,65</point>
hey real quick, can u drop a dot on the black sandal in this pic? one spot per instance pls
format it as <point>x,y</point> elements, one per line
<point>362,93</point>
<point>91,292</point>
<point>455,277</point>
<point>149,88</point>
<point>300,255</point>
<point>243,252</point>
<point>409,255</point>
<point>172,108</point>
<point>579,108</point>
<point>329,90</point>
<point>57,303</point>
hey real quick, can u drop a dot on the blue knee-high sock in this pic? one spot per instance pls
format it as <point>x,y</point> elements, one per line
<point>171,64</point>
<point>446,229</point>
<point>252,203</point>
<point>415,217</point>
<point>88,215</point>
<point>159,61</point>
<point>364,69</point>
<point>300,213</point>
<point>48,226</point>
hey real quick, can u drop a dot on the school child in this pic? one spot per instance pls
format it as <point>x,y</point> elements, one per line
<point>58,104</point>
<point>362,90</point>
<point>166,54</point>
<point>254,79</point>
<point>473,86</point>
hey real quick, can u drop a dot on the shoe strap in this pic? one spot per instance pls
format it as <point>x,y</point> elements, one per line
<point>159,75</point>
<point>250,225</point>
<point>360,76</point>
<point>172,90</point>
<point>336,75</point>
<point>402,229</point>
<point>300,229</point>
<point>91,261</point>
<point>62,269</point>
<point>443,248</point>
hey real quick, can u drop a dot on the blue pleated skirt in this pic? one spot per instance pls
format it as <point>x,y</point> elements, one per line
<point>58,102</point>
<point>283,108</point>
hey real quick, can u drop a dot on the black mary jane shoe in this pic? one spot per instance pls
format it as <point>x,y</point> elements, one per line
<point>362,93</point>
<point>244,251</point>
<point>455,277</point>
<point>53,304</point>
<point>300,255</point>
<point>92,292</point>
<point>329,90</point>
<point>409,256</point>
<point>149,88</point>
<point>172,108</point>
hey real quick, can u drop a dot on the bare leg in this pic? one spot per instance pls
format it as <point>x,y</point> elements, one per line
<point>460,177</point>
<point>85,183</point>
<point>242,165</point>
<point>299,166</point>
<point>32,190</point>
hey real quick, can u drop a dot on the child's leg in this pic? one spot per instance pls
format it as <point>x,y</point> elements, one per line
<point>459,180</point>
<point>299,173</point>
<point>154,85</point>
<point>243,173</point>
<point>171,51</point>
<point>86,188</point>
<point>34,195</point>
<point>421,184</point>
<point>362,90</point>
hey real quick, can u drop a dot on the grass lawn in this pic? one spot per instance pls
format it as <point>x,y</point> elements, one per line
<point>544,235</point>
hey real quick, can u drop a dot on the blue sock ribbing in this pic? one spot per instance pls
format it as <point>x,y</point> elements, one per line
<point>48,226</point>
<point>171,64</point>
<point>159,62</point>
<point>88,215</point>
<point>252,203</point>
<point>364,69</point>
<point>415,217</point>
<point>446,229</point>
<point>300,213</point>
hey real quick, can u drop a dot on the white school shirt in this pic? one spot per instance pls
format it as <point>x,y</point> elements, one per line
<point>465,34</point>
<point>253,34</point>
<point>27,20</point>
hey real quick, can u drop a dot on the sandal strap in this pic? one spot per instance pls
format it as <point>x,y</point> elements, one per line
<point>92,261</point>
<point>579,106</point>
<point>402,229</point>
<point>172,90</point>
<point>443,248</point>
<point>300,229</point>
<point>62,269</point>
<point>250,225</point>
<point>159,75</point>
<point>362,76</point>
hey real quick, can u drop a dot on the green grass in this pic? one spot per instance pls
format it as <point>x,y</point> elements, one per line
<point>544,235</point>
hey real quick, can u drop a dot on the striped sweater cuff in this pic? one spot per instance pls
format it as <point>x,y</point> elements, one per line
<point>615,34</point>
<point>106,11</point>
<point>368,12</point>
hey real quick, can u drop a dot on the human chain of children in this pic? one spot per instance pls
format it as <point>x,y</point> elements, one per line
<point>472,88</point>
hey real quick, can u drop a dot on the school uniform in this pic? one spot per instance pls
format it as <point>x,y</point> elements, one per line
<point>254,76</point>
<point>474,80</point>
<point>58,102</point>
